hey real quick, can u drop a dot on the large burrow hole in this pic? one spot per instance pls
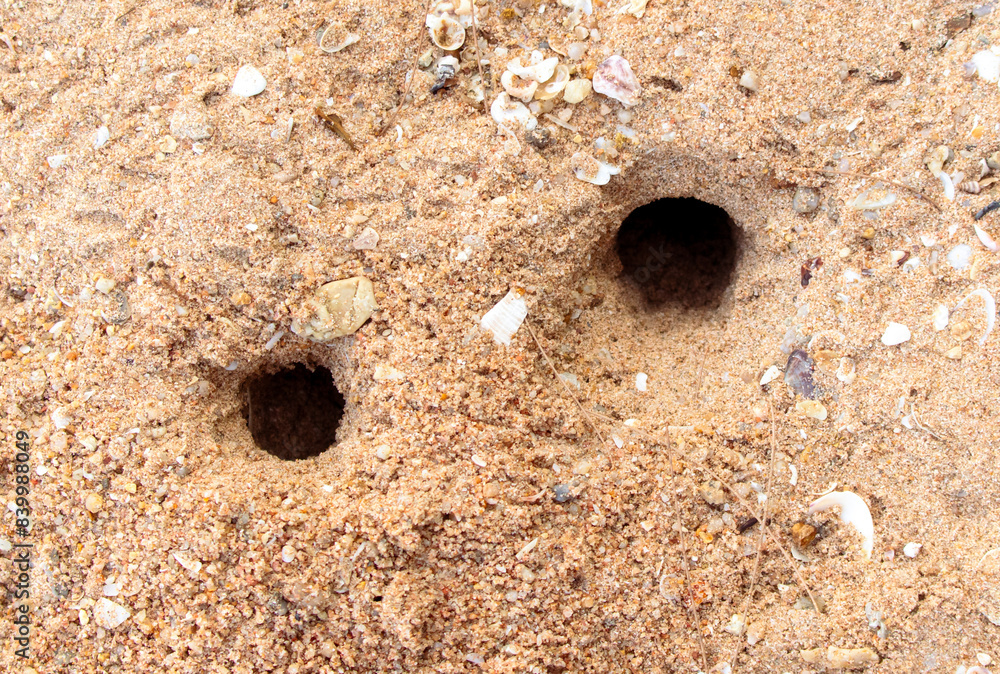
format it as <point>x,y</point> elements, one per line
<point>680,252</point>
<point>293,413</point>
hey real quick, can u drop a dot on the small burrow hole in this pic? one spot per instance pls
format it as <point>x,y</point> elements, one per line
<point>679,251</point>
<point>293,413</point>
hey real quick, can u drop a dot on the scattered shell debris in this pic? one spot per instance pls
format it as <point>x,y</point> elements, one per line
<point>853,511</point>
<point>108,614</point>
<point>506,317</point>
<point>337,309</point>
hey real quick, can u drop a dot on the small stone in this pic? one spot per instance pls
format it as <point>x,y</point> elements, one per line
<point>961,330</point>
<point>366,240</point>
<point>337,309</point>
<point>108,614</point>
<point>939,318</point>
<point>911,550</point>
<point>812,409</point>
<point>577,90</point>
<point>94,503</point>
<point>749,81</point>
<point>287,554</point>
<point>850,658</point>
<point>105,285</point>
<point>385,372</point>
<point>895,333</point>
<point>954,353</point>
<point>562,493</point>
<point>383,452</point>
<point>803,534</point>
<point>805,200</point>
<point>191,120</point>
<point>712,493</point>
<point>168,145</point>
<point>614,78</point>
<point>248,82</point>
<point>984,659</point>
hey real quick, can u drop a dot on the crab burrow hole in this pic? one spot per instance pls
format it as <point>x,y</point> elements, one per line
<point>680,252</point>
<point>293,413</point>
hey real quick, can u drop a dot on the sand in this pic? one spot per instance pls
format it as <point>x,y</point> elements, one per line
<point>470,515</point>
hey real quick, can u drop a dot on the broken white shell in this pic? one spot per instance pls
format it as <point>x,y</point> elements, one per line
<point>939,318</point>
<point>518,87</point>
<point>446,32</point>
<point>895,333</point>
<point>555,84</point>
<point>770,375</point>
<point>948,184</point>
<point>589,170</point>
<point>911,550</point>
<point>989,304</point>
<point>539,69</point>
<point>987,65</point>
<point>614,78</point>
<point>866,202</point>
<point>248,82</point>
<point>853,511</point>
<point>335,39</point>
<point>986,239</point>
<point>507,111</point>
<point>108,614</point>
<point>506,317</point>
<point>847,371</point>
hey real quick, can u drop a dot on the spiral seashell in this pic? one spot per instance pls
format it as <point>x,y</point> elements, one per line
<point>970,186</point>
<point>518,87</point>
<point>554,86</point>
<point>446,32</point>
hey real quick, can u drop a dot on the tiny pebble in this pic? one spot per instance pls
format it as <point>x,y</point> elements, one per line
<point>959,256</point>
<point>749,81</point>
<point>805,200</point>
<point>476,459</point>
<point>562,493</point>
<point>984,659</point>
<point>94,503</point>
<point>287,554</point>
<point>911,550</point>
<point>101,137</point>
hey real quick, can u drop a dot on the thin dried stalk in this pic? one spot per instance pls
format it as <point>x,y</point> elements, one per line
<point>760,542</point>
<point>854,174</point>
<point>565,386</point>
<point>413,73</point>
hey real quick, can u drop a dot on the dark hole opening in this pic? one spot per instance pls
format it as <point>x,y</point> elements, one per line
<point>294,414</point>
<point>679,251</point>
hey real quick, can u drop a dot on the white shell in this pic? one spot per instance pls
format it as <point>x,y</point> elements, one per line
<point>939,318</point>
<point>614,78</point>
<point>248,82</point>
<point>585,6</point>
<point>506,317</point>
<point>539,69</point>
<point>345,40</point>
<point>518,87</point>
<point>987,65</point>
<point>505,111</point>
<point>108,614</point>
<point>989,305</point>
<point>986,239</point>
<point>749,81</point>
<point>948,184</point>
<point>895,333</point>
<point>446,32</point>
<point>641,381</point>
<point>589,170</point>
<point>555,84</point>
<point>853,511</point>
<point>866,202</point>
<point>911,550</point>
<point>102,136</point>
<point>770,375</point>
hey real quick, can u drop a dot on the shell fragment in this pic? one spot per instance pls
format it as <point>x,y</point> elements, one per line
<point>506,317</point>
